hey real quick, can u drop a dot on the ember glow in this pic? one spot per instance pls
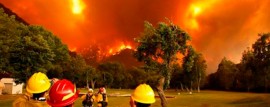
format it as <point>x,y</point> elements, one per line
<point>219,28</point>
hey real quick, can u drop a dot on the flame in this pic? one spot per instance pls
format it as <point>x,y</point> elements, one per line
<point>128,47</point>
<point>123,46</point>
<point>211,23</point>
<point>73,49</point>
<point>111,51</point>
<point>77,6</point>
<point>119,48</point>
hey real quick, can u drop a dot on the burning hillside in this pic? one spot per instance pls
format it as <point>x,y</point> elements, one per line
<point>218,28</point>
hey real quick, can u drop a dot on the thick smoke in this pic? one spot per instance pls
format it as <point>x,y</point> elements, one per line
<point>224,28</point>
<point>227,28</point>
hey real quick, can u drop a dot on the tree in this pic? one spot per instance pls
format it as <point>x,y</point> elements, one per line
<point>246,68</point>
<point>212,81</point>
<point>60,50</point>
<point>226,74</point>
<point>74,69</point>
<point>138,76</point>
<point>188,65</point>
<point>262,58</point>
<point>25,50</point>
<point>10,31</point>
<point>114,70</point>
<point>55,72</point>
<point>61,53</point>
<point>90,74</point>
<point>91,54</point>
<point>32,54</point>
<point>159,46</point>
<point>199,70</point>
<point>194,67</point>
<point>177,77</point>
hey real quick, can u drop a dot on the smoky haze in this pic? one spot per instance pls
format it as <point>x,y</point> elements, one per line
<point>223,28</point>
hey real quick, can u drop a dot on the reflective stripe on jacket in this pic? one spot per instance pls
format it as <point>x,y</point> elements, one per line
<point>26,101</point>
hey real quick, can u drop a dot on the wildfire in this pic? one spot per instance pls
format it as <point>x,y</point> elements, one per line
<point>111,51</point>
<point>73,49</point>
<point>119,48</point>
<point>77,6</point>
<point>123,46</point>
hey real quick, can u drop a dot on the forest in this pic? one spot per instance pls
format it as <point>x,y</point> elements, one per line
<point>163,54</point>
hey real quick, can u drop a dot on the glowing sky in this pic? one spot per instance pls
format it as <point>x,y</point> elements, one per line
<point>219,28</point>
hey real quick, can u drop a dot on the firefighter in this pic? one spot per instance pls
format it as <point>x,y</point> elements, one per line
<point>62,94</point>
<point>37,86</point>
<point>102,98</point>
<point>88,98</point>
<point>143,96</point>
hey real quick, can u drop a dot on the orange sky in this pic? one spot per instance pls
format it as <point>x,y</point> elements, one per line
<point>219,28</point>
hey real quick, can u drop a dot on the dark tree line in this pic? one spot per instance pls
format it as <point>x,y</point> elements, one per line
<point>26,49</point>
<point>251,74</point>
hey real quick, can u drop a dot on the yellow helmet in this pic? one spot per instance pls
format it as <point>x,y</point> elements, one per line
<point>38,83</point>
<point>144,94</point>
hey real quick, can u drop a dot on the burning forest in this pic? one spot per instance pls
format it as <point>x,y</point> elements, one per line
<point>218,28</point>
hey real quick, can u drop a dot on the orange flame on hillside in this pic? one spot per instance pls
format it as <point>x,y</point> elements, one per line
<point>73,49</point>
<point>218,28</point>
<point>119,48</point>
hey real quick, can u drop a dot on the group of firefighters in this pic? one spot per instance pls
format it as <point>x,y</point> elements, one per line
<point>43,92</point>
<point>100,98</point>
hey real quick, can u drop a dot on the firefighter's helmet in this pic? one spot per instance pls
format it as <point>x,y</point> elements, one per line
<point>62,93</point>
<point>102,90</point>
<point>144,94</point>
<point>38,83</point>
<point>90,90</point>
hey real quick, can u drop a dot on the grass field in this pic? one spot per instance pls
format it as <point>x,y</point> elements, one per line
<point>205,98</point>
